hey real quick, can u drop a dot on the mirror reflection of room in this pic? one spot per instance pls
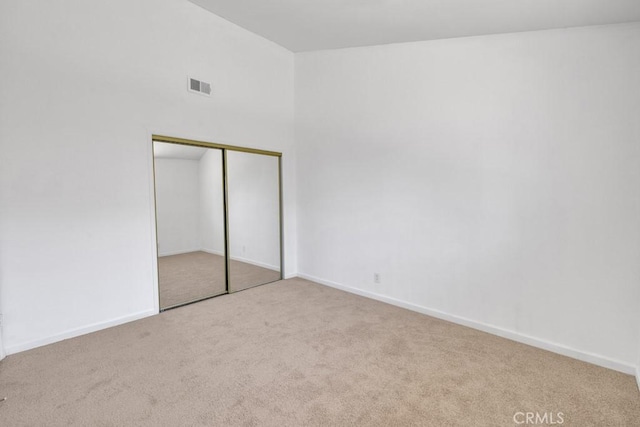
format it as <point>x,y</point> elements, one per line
<point>190,223</point>
<point>254,219</point>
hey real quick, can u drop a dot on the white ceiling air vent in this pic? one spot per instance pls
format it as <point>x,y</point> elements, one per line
<point>198,86</point>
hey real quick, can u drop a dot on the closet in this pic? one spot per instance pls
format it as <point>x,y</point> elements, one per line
<point>218,219</point>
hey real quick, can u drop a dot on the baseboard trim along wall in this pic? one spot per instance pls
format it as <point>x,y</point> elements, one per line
<point>256,263</point>
<point>514,336</point>
<point>212,251</point>
<point>638,377</point>
<point>72,333</point>
<point>246,260</point>
<point>185,251</point>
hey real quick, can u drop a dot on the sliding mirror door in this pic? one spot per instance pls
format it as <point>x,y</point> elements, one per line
<point>190,223</point>
<point>253,186</point>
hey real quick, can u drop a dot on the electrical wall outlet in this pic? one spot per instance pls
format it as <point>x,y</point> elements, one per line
<point>376,277</point>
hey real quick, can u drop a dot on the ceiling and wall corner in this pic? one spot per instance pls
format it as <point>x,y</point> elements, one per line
<point>331,24</point>
<point>493,181</point>
<point>89,230</point>
<point>176,151</point>
<point>76,195</point>
<point>312,26</point>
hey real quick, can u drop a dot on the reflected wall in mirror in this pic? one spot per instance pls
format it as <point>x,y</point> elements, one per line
<point>190,223</point>
<point>253,186</point>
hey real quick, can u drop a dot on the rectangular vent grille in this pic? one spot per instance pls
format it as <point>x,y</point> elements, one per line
<point>200,87</point>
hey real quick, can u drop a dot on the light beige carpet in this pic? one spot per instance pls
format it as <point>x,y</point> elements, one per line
<point>193,276</point>
<point>294,353</point>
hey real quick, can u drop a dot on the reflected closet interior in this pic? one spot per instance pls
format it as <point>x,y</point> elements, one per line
<point>218,219</point>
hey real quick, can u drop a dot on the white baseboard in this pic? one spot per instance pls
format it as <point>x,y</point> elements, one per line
<point>638,377</point>
<point>221,253</point>
<point>256,263</point>
<point>2,352</point>
<point>180,252</point>
<point>71,333</point>
<point>212,251</point>
<point>495,330</point>
<point>290,276</point>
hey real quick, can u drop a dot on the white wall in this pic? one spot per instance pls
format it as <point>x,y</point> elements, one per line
<point>491,180</point>
<point>2,352</point>
<point>638,370</point>
<point>189,204</point>
<point>253,201</point>
<point>638,359</point>
<point>211,202</point>
<point>84,85</point>
<point>178,206</point>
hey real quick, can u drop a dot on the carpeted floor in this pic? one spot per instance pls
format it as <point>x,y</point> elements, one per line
<point>295,353</point>
<point>196,275</point>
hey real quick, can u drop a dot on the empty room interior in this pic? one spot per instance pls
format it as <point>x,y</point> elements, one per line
<point>327,213</point>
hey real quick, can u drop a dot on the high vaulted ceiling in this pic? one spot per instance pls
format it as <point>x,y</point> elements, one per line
<point>303,25</point>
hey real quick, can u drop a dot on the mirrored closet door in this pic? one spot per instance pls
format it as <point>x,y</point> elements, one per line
<point>218,219</point>
<point>254,219</point>
<point>189,223</point>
